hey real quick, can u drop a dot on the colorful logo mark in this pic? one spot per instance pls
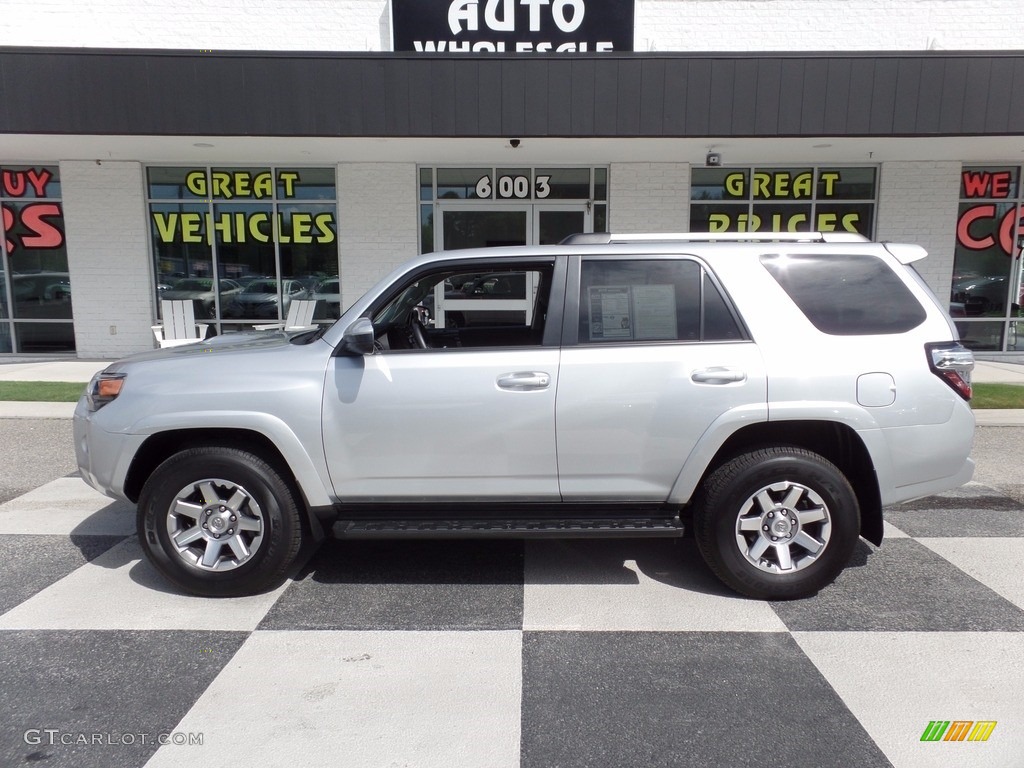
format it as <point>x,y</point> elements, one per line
<point>958,730</point>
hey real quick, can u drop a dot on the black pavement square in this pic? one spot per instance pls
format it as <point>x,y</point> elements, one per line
<point>406,585</point>
<point>30,563</point>
<point>981,519</point>
<point>682,699</point>
<point>105,697</point>
<point>902,587</point>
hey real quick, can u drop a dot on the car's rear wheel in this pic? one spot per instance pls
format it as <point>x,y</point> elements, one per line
<point>777,523</point>
<point>219,522</point>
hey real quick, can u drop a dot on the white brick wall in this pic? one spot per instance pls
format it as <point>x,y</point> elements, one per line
<point>378,222</point>
<point>292,25</point>
<point>827,25</point>
<point>108,257</point>
<point>917,203</point>
<point>660,25</point>
<point>649,197</point>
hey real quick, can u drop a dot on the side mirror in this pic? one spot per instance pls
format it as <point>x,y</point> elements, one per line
<point>358,338</point>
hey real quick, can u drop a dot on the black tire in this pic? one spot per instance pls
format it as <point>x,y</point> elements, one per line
<point>791,494</point>
<point>224,487</point>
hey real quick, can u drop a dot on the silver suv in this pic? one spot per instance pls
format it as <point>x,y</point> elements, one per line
<point>772,395</point>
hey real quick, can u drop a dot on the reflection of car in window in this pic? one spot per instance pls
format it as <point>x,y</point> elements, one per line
<point>42,287</point>
<point>260,299</point>
<point>327,294</point>
<point>981,295</point>
<point>201,291</point>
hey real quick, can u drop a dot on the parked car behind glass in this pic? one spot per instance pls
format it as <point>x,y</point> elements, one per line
<point>328,295</point>
<point>260,299</point>
<point>200,290</point>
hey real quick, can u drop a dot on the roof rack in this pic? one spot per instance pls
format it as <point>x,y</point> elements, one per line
<point>604,238</point>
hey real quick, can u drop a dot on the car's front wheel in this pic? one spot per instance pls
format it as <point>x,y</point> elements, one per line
<point>219,522</point>
<point>777,523</point>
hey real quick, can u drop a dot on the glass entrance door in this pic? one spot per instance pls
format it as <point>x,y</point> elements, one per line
<point>492,225</point>
<point>480,227</point>
<point>551,225</point>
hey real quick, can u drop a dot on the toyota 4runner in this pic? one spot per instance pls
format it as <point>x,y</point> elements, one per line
<point>773,393</point>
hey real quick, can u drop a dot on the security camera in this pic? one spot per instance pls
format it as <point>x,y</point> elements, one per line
<point>713,160</point>
<point>514,143</point>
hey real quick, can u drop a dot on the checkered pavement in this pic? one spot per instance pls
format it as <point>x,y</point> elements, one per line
<point>479,653</point>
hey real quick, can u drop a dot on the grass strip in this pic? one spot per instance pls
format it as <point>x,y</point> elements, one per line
<point>991,395</point>
<point>42,391</point>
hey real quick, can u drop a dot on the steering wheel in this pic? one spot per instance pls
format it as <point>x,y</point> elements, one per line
<point>417,333</point>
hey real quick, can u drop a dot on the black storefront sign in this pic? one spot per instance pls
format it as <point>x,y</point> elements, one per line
<point>512,26</point>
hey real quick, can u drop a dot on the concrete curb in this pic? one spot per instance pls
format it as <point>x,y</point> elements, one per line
<point>17,410</point>
<point>999,417</point>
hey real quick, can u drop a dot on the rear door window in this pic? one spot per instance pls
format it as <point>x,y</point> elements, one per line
<point>651,300</point>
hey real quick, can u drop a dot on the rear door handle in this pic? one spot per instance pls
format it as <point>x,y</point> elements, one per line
<point>718,375</point>
<point>524,381</point>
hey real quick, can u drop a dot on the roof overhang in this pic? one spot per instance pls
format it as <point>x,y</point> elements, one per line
<point>651,96</point>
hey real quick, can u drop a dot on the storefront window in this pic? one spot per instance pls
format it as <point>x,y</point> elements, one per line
<point>35,288</point>
<point>244,242</point>
<point>800,199</point>
<point>985,295</point>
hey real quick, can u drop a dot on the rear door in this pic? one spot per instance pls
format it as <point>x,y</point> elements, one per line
<point>654,356</point>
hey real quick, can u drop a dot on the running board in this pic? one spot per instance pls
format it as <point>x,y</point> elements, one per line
<point>560,528</point>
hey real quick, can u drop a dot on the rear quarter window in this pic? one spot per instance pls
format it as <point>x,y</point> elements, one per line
<point>846,294</point>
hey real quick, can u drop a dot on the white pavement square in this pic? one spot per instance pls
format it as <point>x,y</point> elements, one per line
<point>119,590</point>
<point>895,683</point>
<point>659,591</point>
<point>995,562</point>
<point>364,699</point>
<point>67,506</point>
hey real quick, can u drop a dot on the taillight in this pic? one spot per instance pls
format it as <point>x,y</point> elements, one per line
<point>952,363</point>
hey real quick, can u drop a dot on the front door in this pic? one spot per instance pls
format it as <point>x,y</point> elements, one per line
<point>463,412</point>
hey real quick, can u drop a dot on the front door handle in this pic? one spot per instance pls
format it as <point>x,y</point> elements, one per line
<point>718,375</point>
<point>524,381</point>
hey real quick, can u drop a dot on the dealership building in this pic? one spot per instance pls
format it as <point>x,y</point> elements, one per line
<point>200,149</point>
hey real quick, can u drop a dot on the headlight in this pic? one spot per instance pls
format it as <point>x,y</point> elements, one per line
<point>104,388</point>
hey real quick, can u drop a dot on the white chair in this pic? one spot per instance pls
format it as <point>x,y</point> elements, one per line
<point>300,318</point>
<point>179,324</point>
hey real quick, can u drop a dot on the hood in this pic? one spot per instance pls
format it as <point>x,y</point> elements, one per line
<point>226,344</point>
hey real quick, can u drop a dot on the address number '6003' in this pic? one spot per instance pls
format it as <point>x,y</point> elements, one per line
<point>513,187</point>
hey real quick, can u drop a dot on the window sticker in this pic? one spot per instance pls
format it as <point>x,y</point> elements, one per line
<point>632,312</point>
<point>610,316</point>
<point>655,311</point>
